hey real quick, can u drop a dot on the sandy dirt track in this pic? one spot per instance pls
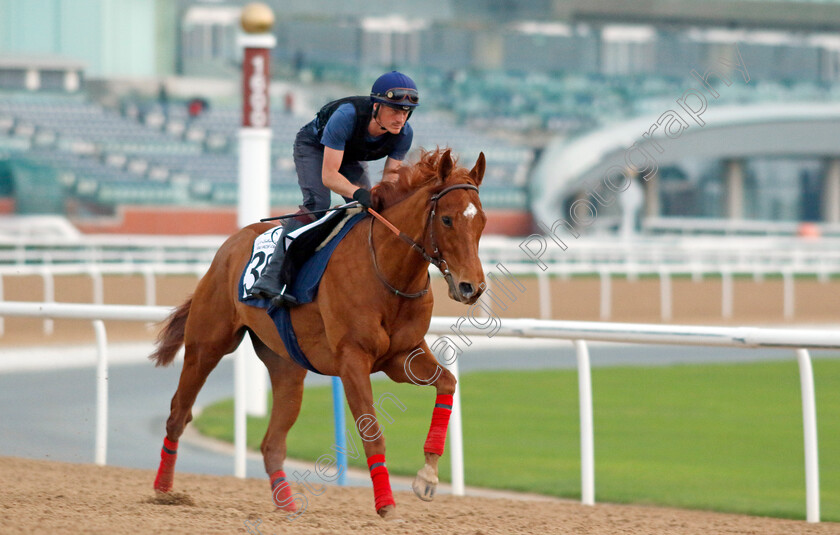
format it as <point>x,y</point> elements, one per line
<point>57,498</point>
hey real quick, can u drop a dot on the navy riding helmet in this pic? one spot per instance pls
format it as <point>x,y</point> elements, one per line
<point>396,90</point>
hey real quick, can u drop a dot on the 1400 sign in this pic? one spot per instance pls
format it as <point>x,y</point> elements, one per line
<point>255,88</point>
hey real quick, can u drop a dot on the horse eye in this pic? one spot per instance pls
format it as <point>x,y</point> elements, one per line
<point>447,221</point>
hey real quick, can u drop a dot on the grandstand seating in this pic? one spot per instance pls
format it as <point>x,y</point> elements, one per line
<point>74,120</point>
<point>152,154</point>
<point>569,103</point>
<point>105,156</point>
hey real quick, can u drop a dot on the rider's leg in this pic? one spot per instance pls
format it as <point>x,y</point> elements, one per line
<point>309,158</point>
<point>309,161</point>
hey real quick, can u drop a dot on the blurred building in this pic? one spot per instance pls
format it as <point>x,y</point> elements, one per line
<point>776,163</point>
<point>797,39</point>
<point>112,38</point>
<point>787,39</point>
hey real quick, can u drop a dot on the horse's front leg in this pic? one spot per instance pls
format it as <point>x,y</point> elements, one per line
<point>354,371</point>
<point>421,368</point>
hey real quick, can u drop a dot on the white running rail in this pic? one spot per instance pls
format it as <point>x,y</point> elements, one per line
<point>578,332</point>
<point>605,273</point>
<point>679,254</point>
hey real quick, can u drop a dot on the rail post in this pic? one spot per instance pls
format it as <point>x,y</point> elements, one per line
<point>606,294</point>
<point>545,294</point>
<point>49,297</point>
<point>587,435</point>
<point>456,437</point>
<point>665,299</point>
<point>809,421</point>
<point>101,446</point>
<point>254,193</point>
<point>340,432</point>
<point>239,414</point>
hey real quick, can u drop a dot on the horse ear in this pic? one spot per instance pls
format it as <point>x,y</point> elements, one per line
<point>445,164</point>
<point>477,172</point>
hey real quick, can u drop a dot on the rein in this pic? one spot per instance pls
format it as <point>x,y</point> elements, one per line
<point>437,260</point>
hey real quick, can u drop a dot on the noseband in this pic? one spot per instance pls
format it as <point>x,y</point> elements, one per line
<point>436,258</point>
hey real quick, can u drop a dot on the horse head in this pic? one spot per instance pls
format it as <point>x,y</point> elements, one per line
<point>440,209</point>
<point>456,221</point>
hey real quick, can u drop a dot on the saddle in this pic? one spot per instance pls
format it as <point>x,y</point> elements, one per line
<point>300,244</point>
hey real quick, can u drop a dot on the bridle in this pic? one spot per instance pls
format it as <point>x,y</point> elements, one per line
<point>436,258</point>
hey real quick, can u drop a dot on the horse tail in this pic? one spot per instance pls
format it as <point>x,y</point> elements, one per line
<point>171,337</point>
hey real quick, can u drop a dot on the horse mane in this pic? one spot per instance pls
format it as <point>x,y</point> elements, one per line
<point>406,179</point>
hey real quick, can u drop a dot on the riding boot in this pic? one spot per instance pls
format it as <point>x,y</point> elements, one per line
<point>271,285</point>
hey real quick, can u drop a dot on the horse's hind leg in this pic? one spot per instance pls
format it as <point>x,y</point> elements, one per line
<point>200,358</point>
<point>421,368</point>
<point>287,393</point>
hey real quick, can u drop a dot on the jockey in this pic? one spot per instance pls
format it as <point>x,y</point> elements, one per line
<point>331,152</point>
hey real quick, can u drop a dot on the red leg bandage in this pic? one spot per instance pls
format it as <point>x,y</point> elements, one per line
<point>382,494</point>
<point>436,438</point>
<point>281,492</point>
<point>166,469</point>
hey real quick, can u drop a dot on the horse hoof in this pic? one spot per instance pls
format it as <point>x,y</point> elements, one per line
<point>389,514</point>
<point>163,485</point>
<point>425,484</point>
<point>283,499</point>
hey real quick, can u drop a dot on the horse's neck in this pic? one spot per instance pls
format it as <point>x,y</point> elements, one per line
<point>409,216</point>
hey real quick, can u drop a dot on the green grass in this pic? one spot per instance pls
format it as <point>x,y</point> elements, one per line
<point>682,275</point>
<point>718,437</point>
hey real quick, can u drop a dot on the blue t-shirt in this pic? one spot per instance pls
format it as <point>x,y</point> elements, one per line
<point>339,129</point>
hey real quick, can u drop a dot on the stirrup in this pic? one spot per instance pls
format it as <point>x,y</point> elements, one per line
<point>266,288</point>
<point>261,293</point>
<point>284,300</point>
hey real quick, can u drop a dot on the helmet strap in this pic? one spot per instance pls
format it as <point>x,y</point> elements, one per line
<point>376,108</point>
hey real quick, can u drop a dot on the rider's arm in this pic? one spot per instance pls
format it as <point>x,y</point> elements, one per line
<point>395,159</point>
<point>330,175</point>
<point>337,131</point>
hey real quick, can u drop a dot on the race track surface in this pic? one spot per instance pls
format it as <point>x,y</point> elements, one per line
<point>59,498</point>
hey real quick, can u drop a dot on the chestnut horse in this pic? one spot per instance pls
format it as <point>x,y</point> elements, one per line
<point>371,313</point>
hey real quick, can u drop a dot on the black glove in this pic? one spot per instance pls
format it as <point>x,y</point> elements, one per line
<point>363,197</point>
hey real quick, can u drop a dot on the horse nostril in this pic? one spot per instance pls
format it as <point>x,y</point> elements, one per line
<point>466,289</point>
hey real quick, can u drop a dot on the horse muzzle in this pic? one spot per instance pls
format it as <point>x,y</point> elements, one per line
<point>465,292</point>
